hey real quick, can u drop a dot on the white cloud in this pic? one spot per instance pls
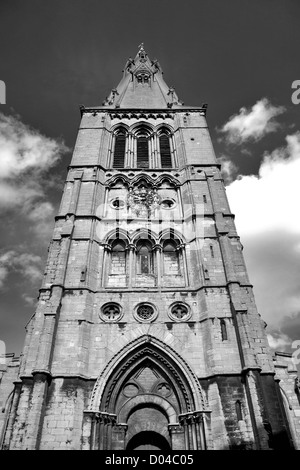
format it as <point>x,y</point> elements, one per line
<point>41,216</point>
<point>279,341</point>
<point>252,124</point>
<point>270,201</point>
<point>31,301</point>
<point>27,265</point>
<point>25,158</point>
<point>23,148</point>
<point>228,169</point>
<point>18,194</point>
<point>267,218</point>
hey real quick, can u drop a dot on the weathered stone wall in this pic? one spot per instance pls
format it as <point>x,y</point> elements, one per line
<point>9,370</point>
<point>287,376</point>
<point>221,340</point>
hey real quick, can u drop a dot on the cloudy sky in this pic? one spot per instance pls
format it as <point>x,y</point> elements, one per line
<point>239,56</point>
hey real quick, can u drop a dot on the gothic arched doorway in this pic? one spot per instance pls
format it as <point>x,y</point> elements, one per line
<point>149,398</point>
<point>148,440</point>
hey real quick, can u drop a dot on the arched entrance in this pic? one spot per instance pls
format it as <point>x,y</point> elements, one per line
<point>148,440</point>
<point>148,398</point>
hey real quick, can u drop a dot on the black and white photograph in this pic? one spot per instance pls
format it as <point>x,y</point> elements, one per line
<point>150,227</point>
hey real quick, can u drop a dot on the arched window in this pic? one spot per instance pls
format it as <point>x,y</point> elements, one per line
<point>119,150</point>
<point>171,258</point>
<point>165,150</point>
<point>223,330</point>
<point>118,258</point>
<point>142,150</point>
<point>144,258</point>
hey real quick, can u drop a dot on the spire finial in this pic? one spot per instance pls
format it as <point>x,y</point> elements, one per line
<point>141,47</point>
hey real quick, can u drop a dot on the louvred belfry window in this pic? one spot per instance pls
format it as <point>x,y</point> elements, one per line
<point>119,150</point>
<point>165,151</point>
<point>142,152</point>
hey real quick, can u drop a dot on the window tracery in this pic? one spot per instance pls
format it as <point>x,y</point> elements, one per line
<point>134,148</point>
<point>111,312</point>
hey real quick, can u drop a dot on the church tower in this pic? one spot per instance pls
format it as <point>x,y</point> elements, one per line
<point>146,333</point>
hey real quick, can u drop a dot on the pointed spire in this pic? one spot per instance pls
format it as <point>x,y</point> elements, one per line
<point>142,85</point>
<point>141,47</point>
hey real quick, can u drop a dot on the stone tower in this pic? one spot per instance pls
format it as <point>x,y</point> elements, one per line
<point>146,334</point>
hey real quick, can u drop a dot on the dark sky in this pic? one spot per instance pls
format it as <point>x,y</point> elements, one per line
<point>58,54</point>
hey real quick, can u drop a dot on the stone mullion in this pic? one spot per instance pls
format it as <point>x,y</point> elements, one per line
<point>128,150</point>
<point>126,154</point>
<point>151,153</point>
<point>173,152</point>
<point>157,163</point>
<point>158,254</point>
<point>134,152</point>
<point>131,251</point>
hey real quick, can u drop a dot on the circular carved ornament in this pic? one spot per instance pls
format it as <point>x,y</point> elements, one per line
<point>145,313</point>
<point>111,312</point>
<point>168,204</point>
<point>163,389</point>
<point>117,203</point>
<point>179,312</point>
<point>130,390</point>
